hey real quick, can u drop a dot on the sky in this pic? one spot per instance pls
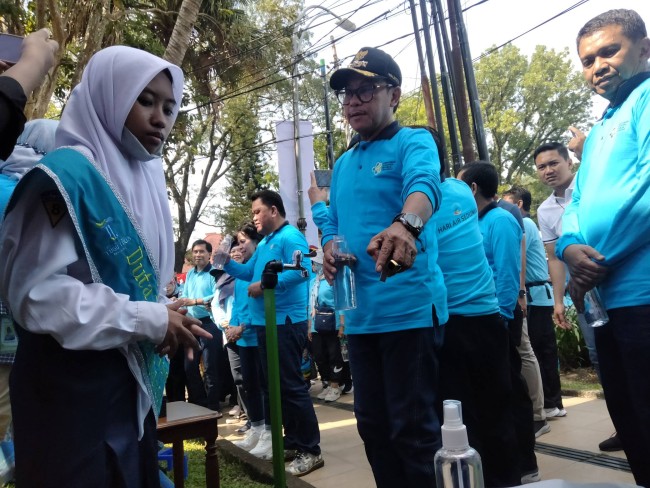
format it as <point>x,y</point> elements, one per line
<point>490,23</point>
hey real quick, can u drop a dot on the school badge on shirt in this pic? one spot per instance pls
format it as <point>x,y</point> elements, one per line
<point>55,206</point>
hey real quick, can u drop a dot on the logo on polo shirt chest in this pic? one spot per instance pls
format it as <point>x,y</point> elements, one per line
<point>381,167</point>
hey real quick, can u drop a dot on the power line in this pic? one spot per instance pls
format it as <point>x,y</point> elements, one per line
<point>490,51</point>
<point>254,84</point>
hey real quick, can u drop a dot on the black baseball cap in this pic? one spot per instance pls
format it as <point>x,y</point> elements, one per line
<point>370,62</point>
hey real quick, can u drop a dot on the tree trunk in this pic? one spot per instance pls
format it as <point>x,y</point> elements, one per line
<point>40,14</point>
<point>40,99</point>
<point>180,38</point>
<point>93,42</point>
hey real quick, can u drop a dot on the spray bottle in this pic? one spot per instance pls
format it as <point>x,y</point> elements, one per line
<point>457,464</point>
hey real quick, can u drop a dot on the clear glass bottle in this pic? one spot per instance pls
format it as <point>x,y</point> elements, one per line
<point>457,464</point>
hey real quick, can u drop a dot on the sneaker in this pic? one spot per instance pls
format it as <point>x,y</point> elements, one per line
<point>553,412</point>
<point>531,477</point>
<point>561,412</point>
<point>235,411</point>
<point>305,463</point>
<point>612,444</point>
<point>290,454</point>
<point>333,394</point>
<point>250,440</point>
<point>347,388</point>
<point>323,394</point>
<point>244,428</point>
<point>264,447</point>
<point>541,427</point>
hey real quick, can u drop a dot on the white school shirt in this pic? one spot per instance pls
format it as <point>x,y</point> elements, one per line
<point>550,212</point>
<point>49,288</point>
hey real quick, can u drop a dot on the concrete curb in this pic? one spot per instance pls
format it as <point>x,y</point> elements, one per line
<point>584,393</point>
<point>257,469</point>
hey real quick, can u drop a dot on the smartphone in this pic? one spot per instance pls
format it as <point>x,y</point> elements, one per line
<point>10,48</point>
<point>323,177</point>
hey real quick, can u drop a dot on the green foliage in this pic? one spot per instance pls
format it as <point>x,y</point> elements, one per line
<point>249,172</point>
<point>571,348</point>
<point>411,111</point>
<point>231,473</point>
<point>526,103</point>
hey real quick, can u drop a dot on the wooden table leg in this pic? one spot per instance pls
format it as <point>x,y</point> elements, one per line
<point>179,471</point>
<point>211,463</point>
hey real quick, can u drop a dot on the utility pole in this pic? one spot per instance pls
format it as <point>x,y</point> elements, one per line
<point>337,63</point>
<point>424,81</point>
<point>438,26</point>
<point>426,28</point>
<point>456,63</point>
<point>475,103</point>
<point>328,125</point>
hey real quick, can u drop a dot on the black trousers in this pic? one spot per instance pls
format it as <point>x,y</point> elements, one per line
<point>326,348</point>
<point>541,331</point>
<point>475,369</point>
<point>75,419</point>
<point>623,347</point>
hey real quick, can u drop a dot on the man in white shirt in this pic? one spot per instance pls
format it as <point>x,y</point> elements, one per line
<point>555,169</point>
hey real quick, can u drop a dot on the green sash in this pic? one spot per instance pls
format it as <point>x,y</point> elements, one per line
<point>115,251</point>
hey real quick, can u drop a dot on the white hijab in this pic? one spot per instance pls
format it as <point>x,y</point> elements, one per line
<point>93,123</point>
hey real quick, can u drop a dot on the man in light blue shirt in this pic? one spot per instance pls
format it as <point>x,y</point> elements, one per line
<point>197,294</point>
<point>384,190</point>
<point>280,241</point>
<point>474,363</point>
<point>606,234</point>
<point>502,243</point>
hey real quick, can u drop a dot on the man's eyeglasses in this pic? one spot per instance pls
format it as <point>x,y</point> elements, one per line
<point>364,93</point>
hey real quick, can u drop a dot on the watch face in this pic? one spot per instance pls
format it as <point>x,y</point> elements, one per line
<point>413,220</point>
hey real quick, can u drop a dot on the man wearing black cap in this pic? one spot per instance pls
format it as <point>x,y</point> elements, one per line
<point>384,190</point>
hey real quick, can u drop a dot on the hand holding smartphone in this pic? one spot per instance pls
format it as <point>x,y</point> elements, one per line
<point>11,47</point>
<point>323,177</point>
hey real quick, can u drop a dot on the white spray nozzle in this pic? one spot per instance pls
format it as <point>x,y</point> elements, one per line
<point>454,432</point>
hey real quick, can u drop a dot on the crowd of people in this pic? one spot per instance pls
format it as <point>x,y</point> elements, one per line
<point>457,290</point>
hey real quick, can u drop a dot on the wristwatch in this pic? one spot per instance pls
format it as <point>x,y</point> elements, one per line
<point>522,293</point>
<point>411,221</point>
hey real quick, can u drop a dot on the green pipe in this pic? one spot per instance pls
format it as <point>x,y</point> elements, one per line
<point>272,357</point>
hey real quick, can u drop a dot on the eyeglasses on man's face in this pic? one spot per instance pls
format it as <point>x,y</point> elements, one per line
<point>364,93</point>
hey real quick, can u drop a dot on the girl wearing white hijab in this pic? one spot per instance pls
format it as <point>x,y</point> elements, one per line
<point>83,398</point>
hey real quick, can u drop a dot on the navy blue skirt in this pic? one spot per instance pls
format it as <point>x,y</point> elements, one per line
<point>75,419</point>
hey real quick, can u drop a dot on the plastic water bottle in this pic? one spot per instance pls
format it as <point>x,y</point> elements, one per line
<point>223,252</point>
<point>345,297</point>
<point>457,465</point>
<point>595,313</point>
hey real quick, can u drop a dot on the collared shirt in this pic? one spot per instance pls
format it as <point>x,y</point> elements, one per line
<point>610,208</point>
<point>370,183</point>
<point>199,284</point>
<point>550,212</point>
<point>292,289</point>
<point>502,242</point>
<point>461,256</point>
